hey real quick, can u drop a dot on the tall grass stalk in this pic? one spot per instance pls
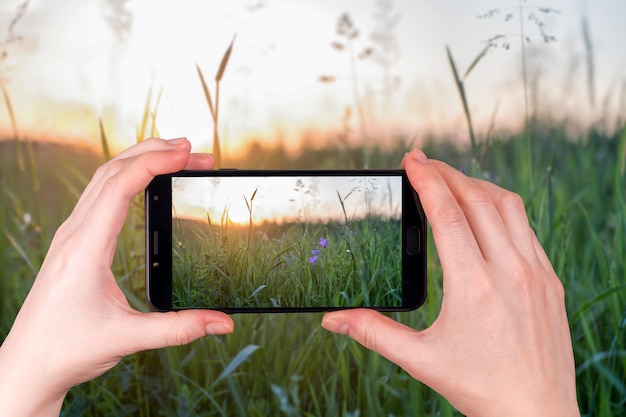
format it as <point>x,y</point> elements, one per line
<point>214,107</point>
<point>589,60</point>
<point>249,207</point>
<point>460,85</point>
<point>148,127</point>
<point>351,33</point>
<point>527,132</point>
<point>104,143</point>
<point>11,113</point>
<point>11,38</point>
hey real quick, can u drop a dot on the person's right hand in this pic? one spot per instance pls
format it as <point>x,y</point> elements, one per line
<point>501,344</point>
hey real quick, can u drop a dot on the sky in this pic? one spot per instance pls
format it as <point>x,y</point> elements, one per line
<point>72,66</point>
<point>278,199</point>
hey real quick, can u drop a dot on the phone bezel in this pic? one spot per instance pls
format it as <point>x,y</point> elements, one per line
<point>158,223</point>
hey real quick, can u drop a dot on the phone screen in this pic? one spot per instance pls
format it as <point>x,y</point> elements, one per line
<point>290,241</point>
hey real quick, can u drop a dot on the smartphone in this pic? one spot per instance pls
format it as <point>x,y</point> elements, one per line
<point>244,241</point>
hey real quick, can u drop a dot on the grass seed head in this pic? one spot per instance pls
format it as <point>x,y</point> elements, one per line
<point>225,58</point>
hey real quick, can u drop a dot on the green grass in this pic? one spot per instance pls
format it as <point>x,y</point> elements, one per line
<point>286,364</point>
<point>221,266</point>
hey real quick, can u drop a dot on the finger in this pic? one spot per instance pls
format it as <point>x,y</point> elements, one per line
<point>107,171</point>
<point>381,334</point>
<point>513,213</point>
<point>115,191</point>
<point>151,145</point>
<point>166,162</point>
<point>99,218</point>
<point>155,330</point>
<point>195,162</point>
<point>477,200</point>
<point>456,245</point>
<point>148,145</point>
<point>543,257</point>
<point>200,161</point>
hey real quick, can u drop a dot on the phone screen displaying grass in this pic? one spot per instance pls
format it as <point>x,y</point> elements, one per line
<point>287,242</point>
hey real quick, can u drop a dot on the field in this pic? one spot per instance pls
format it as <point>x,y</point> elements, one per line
<point>574,190</point>
<point>292,265</point>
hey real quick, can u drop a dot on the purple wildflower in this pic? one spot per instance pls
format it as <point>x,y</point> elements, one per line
<point>315,253</point>
<point>313,259</point>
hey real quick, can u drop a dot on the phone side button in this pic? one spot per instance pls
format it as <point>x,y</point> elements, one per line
<point>413,246</point>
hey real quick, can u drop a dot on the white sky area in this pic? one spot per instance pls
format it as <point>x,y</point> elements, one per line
<point>70,69</point>
<point>306,199</point>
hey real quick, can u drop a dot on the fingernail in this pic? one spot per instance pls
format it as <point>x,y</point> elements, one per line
<point>218,328</point>
<point>336,326</point>
<point>419,156</point>
<point>176,141</point>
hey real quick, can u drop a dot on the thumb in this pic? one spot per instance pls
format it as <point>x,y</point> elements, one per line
<point>174,328</point>
<point>399,343</point>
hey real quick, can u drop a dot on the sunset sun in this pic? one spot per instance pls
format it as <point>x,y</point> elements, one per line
<point>238,213</point>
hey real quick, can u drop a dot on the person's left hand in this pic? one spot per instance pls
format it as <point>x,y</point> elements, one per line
<point>76,323</point>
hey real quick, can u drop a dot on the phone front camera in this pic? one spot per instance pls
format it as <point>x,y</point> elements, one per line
<point>155,198</point>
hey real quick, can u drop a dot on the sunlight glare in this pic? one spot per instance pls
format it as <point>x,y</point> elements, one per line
<point>238,213</point>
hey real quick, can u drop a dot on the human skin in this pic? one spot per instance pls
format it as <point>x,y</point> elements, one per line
<point>76,323</point>
<point>501,345</point>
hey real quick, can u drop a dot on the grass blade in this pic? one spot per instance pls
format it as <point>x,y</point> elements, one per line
<point>207,93</point>
<point>241,357</point>
<point>20,250</point>
<point>104,142</point>
<point>18,148</point>
<point>622,152</point>
<point>594,301</point>
<point>461,90</point>
<point>141,131</point>
<point>154,132</point>
<point>476,61</point>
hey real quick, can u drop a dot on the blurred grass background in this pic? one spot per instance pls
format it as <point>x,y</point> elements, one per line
<point>285,364</point>
<point>573,185</point>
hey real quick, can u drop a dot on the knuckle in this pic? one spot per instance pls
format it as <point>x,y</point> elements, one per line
<point>153,140</point>
<point>181,337</point>
<point>115,165</point>
<point>449,215</point>
<point>475,194</point>
<point>512,201</point>
<point>109,185</point>
<point>112,167</point>
<point>101,171</point>
<point>532,283</point>
<point>522,276</point>
<point>368,338</point>
<point>558,289</point>
<point>62,231</point>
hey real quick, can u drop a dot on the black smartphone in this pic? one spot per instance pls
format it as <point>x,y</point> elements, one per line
<point>244,241</point>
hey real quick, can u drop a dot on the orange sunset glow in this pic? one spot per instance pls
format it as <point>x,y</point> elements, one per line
<point>365,72</point>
